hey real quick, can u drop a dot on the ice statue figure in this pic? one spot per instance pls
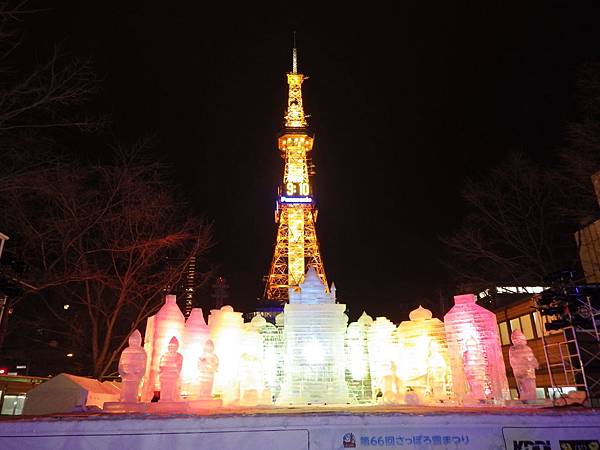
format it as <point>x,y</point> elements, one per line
<point>357,360</point>
<point>272,357</point>
<point>160,328</point>
<point>168,372</point>
<point>523,363</point>
<point>474,375</point>
<point>226,328</point>
<point>314,330</point>
<point>392,388</point>
<point>437,372</point>
<point>132,366</point>
<point>208,364</point>
<point>252,383</point>
<point>195,335</point>
<point>382,351</point>
<point>475,352</point>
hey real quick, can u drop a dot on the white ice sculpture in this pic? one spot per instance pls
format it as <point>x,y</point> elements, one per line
<point>392,387</point>
<point>281,346</point>
<point>251,372</point>
<point>272,355</point>
<point>208,364</point>
<point>314,354</point>
<point>358,376</point>
<point>423,362</point>
<point>438,371</point>
<point>132,366</point>
<point>523,363</point>
<point>382,352</point>
<point>478,372</point>
<point>168,372</point>
<point>226,333</point>
<point>195,335</point>
<point>160,328</point>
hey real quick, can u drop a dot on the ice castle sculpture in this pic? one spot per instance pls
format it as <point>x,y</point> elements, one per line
<point>382,352</point>
<point>160,328</point>
<point>314,328</point>
<point>358,376</point>
<point>523,363</point>
<point>478,371</point>
<point>195,334</point>
<point>423,364</point>
<point>226,328</point>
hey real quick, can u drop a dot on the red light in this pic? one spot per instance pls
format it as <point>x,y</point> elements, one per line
<point>3,371</point>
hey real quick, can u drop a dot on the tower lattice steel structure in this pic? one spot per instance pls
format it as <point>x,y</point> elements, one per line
<point>296,246</point>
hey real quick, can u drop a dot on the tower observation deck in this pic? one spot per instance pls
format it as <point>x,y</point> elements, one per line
<point>296,245</point>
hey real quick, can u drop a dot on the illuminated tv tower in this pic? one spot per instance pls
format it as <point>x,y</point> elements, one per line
<point>296,214</point>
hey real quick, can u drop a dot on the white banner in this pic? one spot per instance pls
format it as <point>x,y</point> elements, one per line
<point>222,440</point>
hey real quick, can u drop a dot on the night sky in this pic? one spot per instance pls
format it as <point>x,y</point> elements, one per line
<point>405,104</point>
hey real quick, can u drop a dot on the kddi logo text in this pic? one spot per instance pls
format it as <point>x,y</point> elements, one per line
<point>532,445</point>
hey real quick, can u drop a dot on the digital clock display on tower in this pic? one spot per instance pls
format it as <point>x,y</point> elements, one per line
<point>297,189</point>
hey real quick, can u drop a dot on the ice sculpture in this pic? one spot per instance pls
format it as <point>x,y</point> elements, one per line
<point>281,346</point>
<point>358,376</point>
<point>195,335</point>
<point>314,353</point>
<point>160,328</point>
<point>438,371</point>
<point>382,351</point>
<point>168,372</point>
<point>392,388</point>
<point>208,364</point>
<point>132,366</point>
<point>523,363</point>
<point>423,361</point>
<point>252,382</point>
<point>226,333</point>
<point>478,371</point>
<point>272,354</point>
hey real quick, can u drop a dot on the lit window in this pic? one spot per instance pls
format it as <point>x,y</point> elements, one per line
<point>540,393</point>
<point>515,324</point>
<point>12,405</point>
<point>504,336</point>
<point>538,324</point>
<point>526,326</point>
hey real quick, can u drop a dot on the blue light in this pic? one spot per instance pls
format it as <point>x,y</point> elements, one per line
<point>295,199</point>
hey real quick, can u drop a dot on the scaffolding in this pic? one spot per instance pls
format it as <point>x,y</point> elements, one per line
<point>573,356</point>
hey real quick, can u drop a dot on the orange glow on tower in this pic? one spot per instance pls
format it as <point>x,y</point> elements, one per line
<point>296,245</point>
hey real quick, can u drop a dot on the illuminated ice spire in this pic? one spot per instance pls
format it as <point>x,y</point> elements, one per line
<point>294,116</point>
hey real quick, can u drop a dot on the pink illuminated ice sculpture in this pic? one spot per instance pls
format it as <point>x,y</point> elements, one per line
<point>168,372</point>
<point>478,371</point>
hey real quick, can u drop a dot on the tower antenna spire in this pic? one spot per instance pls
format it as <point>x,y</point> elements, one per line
<point>294,55</point>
